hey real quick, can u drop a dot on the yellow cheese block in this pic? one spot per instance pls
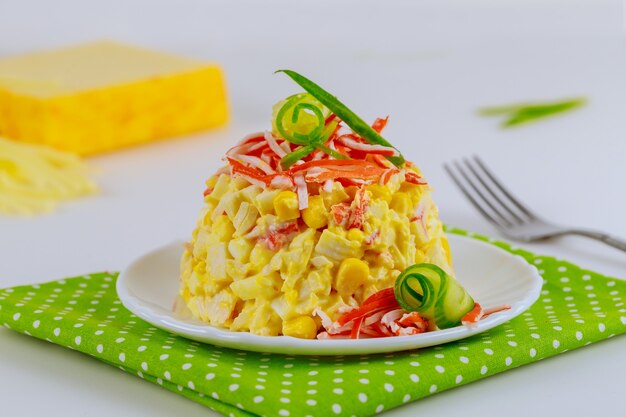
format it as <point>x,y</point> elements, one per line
<point>105,95</point>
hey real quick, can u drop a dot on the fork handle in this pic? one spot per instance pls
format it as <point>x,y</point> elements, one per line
<point>602,237</point>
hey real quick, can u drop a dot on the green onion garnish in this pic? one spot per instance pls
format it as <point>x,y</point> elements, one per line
<point>429,290</point>
<point>293,127</point>
<point>293,157</point>
<point>517,114</point>
<point>344,113</point>
<point>301,119</point>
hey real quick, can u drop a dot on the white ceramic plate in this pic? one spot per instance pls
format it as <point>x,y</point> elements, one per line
<point>149,288</point>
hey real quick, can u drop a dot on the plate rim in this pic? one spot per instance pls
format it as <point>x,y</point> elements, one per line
<point>277,344</point>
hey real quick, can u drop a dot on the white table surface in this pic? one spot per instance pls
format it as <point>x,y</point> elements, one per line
<point>429,65</point>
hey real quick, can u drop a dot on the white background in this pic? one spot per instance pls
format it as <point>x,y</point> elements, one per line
<point>429,65</point>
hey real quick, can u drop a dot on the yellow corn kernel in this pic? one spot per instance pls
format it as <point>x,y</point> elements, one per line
<point>222,228</point>
<point>286,205</point>
<point>303,327</point>
<point>352,274</point>
<point>356,234</point>
<point>401,202</point>
<point>379,192</point>
<point>315,215</point>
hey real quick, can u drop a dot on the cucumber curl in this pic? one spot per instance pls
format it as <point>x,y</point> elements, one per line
<point>429,290</point>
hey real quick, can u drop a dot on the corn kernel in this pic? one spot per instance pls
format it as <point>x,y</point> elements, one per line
<point>223,228</point>
<point>352,274</point>
<point>356,234</point>
<point>315,215</point>
<point>401,202</point>
<point>303,327</point>
<point>286,205</point>
<point>379,192</point>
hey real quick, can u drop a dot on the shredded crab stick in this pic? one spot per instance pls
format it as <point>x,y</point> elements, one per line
<point>379,124</point>
<point>378,316</point>
<point>477,313</point>
<point>488,312</point>
<point>352,142</point>
<point>278,235</point>
<point>473,316</point>
<point>274,146</point>
<point>303,192</point>
<point>352,216</point>
<point>265,170</point>
<point>382,300</point>
<point>381,316</point>
<point>413,178</point>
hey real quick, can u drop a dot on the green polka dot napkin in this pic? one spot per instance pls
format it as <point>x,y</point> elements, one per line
<point>576,308</point>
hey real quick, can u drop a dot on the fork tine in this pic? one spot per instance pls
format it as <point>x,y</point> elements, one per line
<point>504,191</point>
<point>469,196</point>
<point>489,189</point>
<point>504,221</point>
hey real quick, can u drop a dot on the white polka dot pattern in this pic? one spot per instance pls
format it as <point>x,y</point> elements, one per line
<point>576,308</point>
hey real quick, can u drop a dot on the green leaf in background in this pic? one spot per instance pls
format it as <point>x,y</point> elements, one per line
<point>518,114</point>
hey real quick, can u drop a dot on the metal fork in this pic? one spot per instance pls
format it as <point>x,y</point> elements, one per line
<point>498,205</point>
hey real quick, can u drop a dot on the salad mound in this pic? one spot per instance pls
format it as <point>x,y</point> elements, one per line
<point>308,228</point>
